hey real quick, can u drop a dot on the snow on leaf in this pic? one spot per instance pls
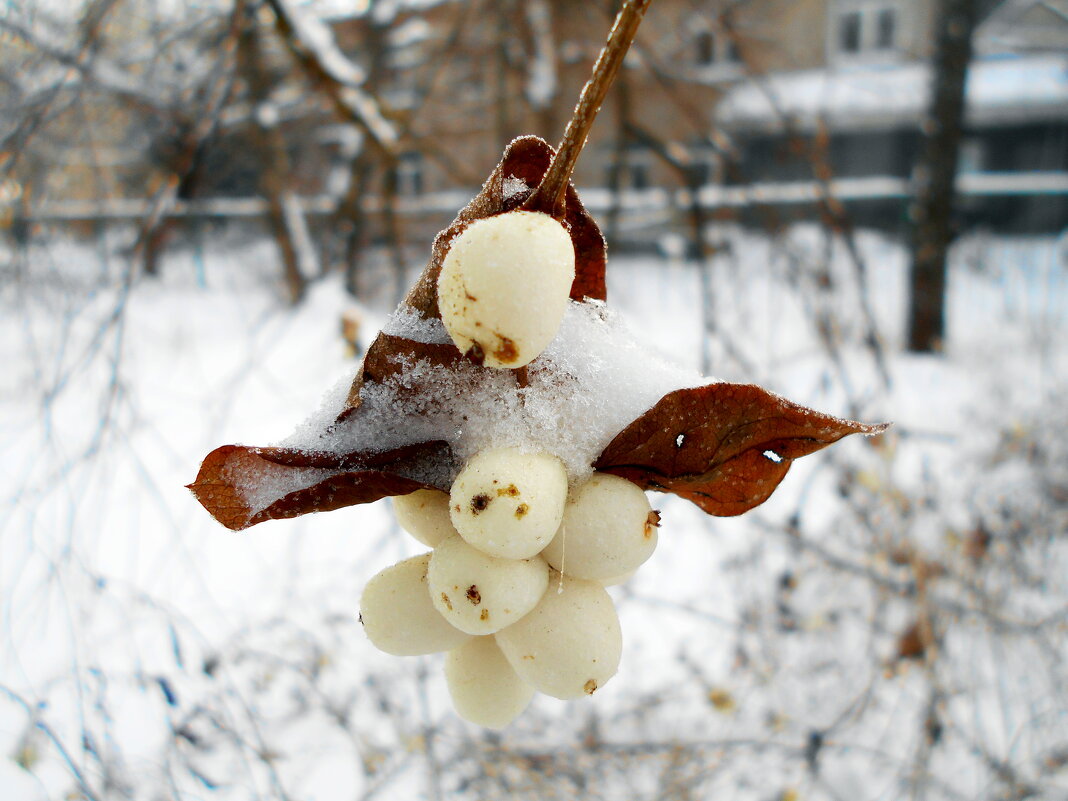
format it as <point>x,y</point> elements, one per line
<point>242,486</point>
<point>725,447</point>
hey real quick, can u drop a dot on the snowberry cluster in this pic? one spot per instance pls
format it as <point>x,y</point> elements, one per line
<point>514,586</point>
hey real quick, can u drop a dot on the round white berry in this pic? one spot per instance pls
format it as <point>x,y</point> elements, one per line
<point>570,643</point>
<point>509,503</point>
<point>425,515</point>
<point>485,689</point>
<point>608,529</point>
<point>479,593</point>
<point>615,581</point>
<point>397,614</point>
<point>504,286</point>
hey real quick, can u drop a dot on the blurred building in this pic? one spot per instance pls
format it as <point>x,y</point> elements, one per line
<point>858,112</point>
<point>764,104</point>
<point>746,110</point>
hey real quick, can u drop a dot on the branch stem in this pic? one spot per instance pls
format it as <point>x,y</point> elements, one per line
<point>550,194</point>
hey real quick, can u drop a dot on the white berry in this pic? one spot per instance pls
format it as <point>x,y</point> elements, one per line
<point>615,581</point>
<point>608,529</point>
<point>504,286</point>
<point>485,689</point>
<point>479,593</point>
<point>397,614</point>
<point>509,503</point>
<point>570,643</point>
<point>425,515</point>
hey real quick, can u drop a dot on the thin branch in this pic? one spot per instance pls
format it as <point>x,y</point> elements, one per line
<point>314,46</point>
<point>549,196</point>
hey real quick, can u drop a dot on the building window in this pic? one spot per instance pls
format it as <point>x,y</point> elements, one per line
<point>634,171</point>
<point>712,48</point>
<point>701,172</point>
<point>410,174</point>
<point>705,44</point>
<point>849,32</point>
<point>639,175</point>
<point>885,29</point>
<point>865,27</point>
<point>972,156</point>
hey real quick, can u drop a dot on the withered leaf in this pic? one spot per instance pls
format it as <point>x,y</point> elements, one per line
<point>526,159</point>
<point>723,446</point>
<point>242,486</point>
<point>912,642</point>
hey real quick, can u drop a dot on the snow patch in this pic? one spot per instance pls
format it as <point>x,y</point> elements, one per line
<point>997,90</point>
<point>587,386</point>
<point>408,323</point>
<point>513,186</point>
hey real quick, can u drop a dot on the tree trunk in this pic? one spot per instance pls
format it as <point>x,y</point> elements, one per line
<point>935,175</point>
<point>283,214</point>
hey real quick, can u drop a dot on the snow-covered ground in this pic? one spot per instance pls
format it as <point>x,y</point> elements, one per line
<point>149,653</point>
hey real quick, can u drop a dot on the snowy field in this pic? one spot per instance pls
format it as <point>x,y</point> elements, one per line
<point>892,624</point>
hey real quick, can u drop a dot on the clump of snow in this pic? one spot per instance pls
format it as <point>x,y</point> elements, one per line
<point>317,36</point>
<point>331,405</point>
<point>997,89</point>
<point>512,186</point>
<point>592,380</point>
<point>414,31</point>
<point>274,482</point>
<point>408,323</point>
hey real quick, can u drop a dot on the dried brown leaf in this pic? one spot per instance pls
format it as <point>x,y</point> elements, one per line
<point>911,643</point>
<point>234,481</point>
<point>723,446</point>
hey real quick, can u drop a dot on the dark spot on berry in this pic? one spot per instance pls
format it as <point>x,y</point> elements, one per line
<point>521,510</point>
<point>652,523</point>
<point>480,502</point>
<point>484,615</point>
<point>445,600</point>
<point>506,351</point>
<point>473,595</point>
<point>511,491</point>
<point>590,687</point>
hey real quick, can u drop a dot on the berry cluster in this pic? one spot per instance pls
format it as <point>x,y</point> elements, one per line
<point>514,586</point>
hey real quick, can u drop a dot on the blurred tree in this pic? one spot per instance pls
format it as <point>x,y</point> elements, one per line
<point>936,173</point>
<point>275,179</point>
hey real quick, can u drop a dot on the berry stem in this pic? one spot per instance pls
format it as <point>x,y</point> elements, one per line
<point>549,196</point>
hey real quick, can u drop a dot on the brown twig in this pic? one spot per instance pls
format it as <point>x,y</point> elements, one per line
<point>549,196</point>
